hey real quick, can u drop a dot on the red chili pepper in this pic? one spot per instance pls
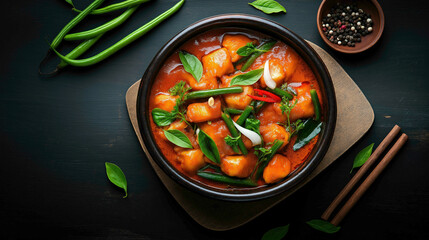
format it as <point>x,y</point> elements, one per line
<point>265,96</point>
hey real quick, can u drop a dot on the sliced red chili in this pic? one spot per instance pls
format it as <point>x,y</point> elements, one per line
<point>265,96</point>
<point>264,99</point>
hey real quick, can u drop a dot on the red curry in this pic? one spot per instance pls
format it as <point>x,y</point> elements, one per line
<point>217,52</point>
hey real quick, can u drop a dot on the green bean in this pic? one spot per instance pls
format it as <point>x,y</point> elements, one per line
<point>229,180</point>
<point>274,148</point>
<point>79,50</point>
<point>57,40</point>
<point>233,111</point>
<point>213,92</point>
<point>281,93</point>
<point>257,105</point>
<point>234,132</point>
<point>103,28</point>
<point>114,7</point>
<point>242,119</point>
<point>123,42</point>
<point>316,103</point>
<point>266,46</point>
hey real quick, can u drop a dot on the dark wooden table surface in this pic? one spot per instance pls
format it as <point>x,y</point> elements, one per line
<point>56,133</point>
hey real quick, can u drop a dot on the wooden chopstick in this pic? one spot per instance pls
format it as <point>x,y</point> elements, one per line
<point>369,180</point>
<point>363,169</point>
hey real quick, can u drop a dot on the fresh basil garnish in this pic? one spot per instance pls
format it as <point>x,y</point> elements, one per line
<point>362,156</point>
<point>162,118</point>
<point>208,147</point>
<point>323,226</point>
<point>249,49</point>
<point>248,78</point>
<point>309,130</point>
<point>177,137</point>
<point>268,6</point>
<point>253,124</point>
<point>116,176</point>
<point>277,233</point>
<point>191,64</point>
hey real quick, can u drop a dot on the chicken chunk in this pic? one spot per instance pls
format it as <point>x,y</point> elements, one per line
<point>165,102</point>
<point>202,112</point>
<point>271,113</point>
<point>236,100</point>
<point>238,166</point>
<point>206,82</point>
<point>277,169</point>
<point>191,160</point>
<point>273,132</point>
<point>217,63</point>
<point>233,43</point>
<point>304,107</point>
<point>218,130</point>
<point>277,73</point>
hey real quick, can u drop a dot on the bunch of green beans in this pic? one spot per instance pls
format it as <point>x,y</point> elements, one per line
<point>123,42</point>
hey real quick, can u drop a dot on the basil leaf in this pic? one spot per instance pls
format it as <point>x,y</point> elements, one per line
<point>248,78</point>
<point>162,117</point>
<point>323,226</point>
<point>276,233</point>
<point>309,130</point>
<point>362,156</point>
<point>253,124</point>
<point>268,6</point>
<point>208,147</point>
<point>246,50</point>
<point>177,137</point>
<point>192,65</point>
<point>116,176</point>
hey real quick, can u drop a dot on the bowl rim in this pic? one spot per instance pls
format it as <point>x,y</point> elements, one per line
<point>258,24</point>
<point>351,50</point>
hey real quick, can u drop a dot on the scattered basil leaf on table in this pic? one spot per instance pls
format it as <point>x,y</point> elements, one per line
<point>191,64</point>
<point>162,118</point>
<point>323,226</point>
<point>268,6</point>
<point>362,157</point>
<point>276,233</point>
<point>116,176</point>
<point>208,147</point>
<point>310,129</point>
<point>248,78</point>
<point>177,137</point>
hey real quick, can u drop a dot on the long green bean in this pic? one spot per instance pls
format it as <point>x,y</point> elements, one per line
<point>225,179</point>
<point>233,111</point>
<point>234,132</point>
<point>79,50</point>
<point>274,148</point>
<point>57,40</point>
<point>281,92</point>
<point>242,119</point>
<point>114,7</point>
<point>123,42</point>
<point>103,28</point>
<point>266,46</point>
<point>316,103</point>
<point>213,92</point>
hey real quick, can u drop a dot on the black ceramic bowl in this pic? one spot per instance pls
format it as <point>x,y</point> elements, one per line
<point>272,29</point>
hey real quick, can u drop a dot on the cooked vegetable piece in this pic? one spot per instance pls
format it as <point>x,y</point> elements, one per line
<point>316,104</point>
<point>265,96</point>
<point>278,168</point>
<point>242,119</point>
<point>228,180</point>
<point>309,130</point>
<point>218,130</point>
<point>191,160</point>
<point>202,112</point>
<point>238,166</point>
<point>272,132</point>
<point>233,111</point>
<point>236,100</point>
<point>282,93</point>
<point>233,43</point>
<point>234,132</point>
<point>165,102</point>
<point>217,63</point>
<point>277,73</point>
<point>304,107</point>
<point>213,92</point>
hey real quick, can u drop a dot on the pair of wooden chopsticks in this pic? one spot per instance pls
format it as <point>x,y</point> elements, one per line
<point>369,180</point>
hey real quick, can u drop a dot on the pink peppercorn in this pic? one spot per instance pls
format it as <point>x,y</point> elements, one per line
<point>343,27</point>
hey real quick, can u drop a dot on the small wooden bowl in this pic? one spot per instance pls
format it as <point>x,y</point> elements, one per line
<point>369,6</point>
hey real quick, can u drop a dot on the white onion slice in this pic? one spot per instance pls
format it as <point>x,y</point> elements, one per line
<point>267,76</point>
<point>253,136</point>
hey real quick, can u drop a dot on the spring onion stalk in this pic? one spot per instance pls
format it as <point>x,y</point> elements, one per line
<point>253,136</point>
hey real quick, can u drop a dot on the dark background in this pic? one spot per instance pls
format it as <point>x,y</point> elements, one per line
<point>56,133</point>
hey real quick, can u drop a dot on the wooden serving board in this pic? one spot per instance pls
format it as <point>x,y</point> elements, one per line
<point>355,116</point>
